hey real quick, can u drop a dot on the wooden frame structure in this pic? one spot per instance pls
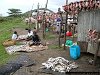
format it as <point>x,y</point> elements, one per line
<point>93,7</point>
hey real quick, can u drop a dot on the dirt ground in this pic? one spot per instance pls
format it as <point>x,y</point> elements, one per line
<point>42,56</point>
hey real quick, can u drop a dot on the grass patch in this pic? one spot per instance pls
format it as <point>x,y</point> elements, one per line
<point>54,47</point>
<point>6,33</point>
<point>50,36</point>
<point>4,57</point>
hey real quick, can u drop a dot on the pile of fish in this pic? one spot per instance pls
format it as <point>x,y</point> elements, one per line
<point>22,37</point>
<point>26,48</point>
<point>59,64</point>
<point>15,48</point>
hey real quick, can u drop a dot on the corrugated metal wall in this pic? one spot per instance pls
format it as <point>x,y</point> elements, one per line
<point>88,20</point>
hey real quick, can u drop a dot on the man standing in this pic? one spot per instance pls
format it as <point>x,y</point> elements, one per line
<point>58,24</point>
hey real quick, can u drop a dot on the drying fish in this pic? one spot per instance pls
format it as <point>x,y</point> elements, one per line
<point>25,48</point>
<point>59,64</point>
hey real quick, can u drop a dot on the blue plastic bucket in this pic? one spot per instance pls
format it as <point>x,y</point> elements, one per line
<point>75,52</point>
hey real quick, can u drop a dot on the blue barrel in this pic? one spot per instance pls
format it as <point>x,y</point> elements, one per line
<point>75,52</point>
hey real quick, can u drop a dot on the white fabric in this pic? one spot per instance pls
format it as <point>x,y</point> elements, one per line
<point>30,34</point>
<point>14,37</point>
<point>58,25</point>
<point>22,37</point>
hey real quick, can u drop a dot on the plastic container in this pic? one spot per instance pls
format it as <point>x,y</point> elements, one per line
<point>68,33</point>
<point>75,52</point>
<point>69,43</point>
<point>47,29</point>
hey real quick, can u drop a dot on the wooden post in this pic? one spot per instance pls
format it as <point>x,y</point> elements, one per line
<point>73,29</point>
<point>60,13</point>
<point>30,19</point>
<point>96,53</point>
<point>61,22</point>
<point>30,15</point>
<point>59,36</point>
<point>44,20</point>
<point>37,16</point>
<point>43,26</point>
<point>65,27</point>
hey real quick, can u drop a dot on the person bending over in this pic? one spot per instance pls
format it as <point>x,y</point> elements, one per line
<point>30,34</point>
<point>35,39</point>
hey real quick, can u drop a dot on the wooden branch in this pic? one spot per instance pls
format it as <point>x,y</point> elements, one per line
<point>65,27</point>
<point>44,20</point>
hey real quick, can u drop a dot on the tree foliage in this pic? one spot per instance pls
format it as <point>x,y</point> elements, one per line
<point>14,12</point>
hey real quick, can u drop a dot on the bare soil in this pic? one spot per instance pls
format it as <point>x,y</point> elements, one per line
<point>42,56</point>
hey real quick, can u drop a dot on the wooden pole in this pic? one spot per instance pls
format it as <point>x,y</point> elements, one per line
<point>43,25</point>
<point>73,27</point>
<point>59,26</point>
<point>65,27</point>
<point>96,53</point>
<point>60,13</point>
<point>44,20</point>
<point>30,14</point>
<point>29,20</point>
<point>37,16</point>
<point>59,36</point>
